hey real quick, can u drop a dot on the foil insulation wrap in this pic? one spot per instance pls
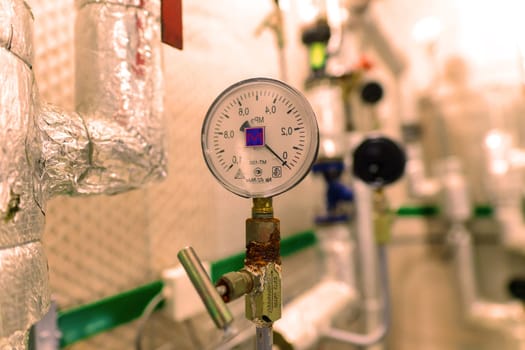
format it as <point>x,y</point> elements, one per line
<point>59,151</point>
<point>16,21</point>
<point>152,6</point>
<point>17,341</point>
<point>24,289</point>
<point>119,94</point>
<point>113,143</point>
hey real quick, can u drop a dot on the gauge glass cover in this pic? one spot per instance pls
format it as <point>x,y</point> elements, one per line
<point>260,138</point>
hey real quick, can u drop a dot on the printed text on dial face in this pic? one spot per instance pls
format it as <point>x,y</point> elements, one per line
<point>247,126</point>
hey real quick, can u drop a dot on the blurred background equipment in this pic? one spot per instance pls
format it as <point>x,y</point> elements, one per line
<point>93,103</point>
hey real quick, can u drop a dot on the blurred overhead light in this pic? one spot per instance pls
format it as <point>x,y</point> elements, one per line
<point>427,30</point>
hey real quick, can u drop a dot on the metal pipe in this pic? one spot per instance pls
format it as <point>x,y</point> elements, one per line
<point>264,337</point>
<point>338,251</point>
<point>217,309</point>
<point>263,262</point>
<point>305,318</point>
<point>395,62</point>
<point>24,286</point>
<point>379,333</point>
<point>113,142</point>
<point>463,260</point>
<point>274,22</point>
<point>367,255</point>
<point>508,317</point>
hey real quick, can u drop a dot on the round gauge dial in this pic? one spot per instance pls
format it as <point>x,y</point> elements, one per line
<point>260,138</point>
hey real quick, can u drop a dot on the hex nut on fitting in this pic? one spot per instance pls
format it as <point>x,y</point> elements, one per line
<point>237,283</point>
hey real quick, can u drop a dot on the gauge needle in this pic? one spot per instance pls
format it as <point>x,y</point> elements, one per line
<point>244,126</point>
<point>284,162</point>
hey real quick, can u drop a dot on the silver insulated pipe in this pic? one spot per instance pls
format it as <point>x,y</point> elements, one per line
<point>24,294</point>
<point>113,142</point>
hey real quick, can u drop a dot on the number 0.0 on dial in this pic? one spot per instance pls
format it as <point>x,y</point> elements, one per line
<point>260,137</point>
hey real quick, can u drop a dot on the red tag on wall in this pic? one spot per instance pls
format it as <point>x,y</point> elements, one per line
<point>171,22</point>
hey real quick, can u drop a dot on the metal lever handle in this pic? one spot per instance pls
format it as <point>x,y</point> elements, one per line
<point>216,307</point>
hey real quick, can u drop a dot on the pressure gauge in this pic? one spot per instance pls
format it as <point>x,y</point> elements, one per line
<point>260,138</point>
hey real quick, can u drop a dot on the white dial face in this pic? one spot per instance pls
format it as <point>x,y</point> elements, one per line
<point>260,138</point>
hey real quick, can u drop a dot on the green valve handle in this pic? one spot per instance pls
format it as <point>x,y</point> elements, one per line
<point>216,307</point>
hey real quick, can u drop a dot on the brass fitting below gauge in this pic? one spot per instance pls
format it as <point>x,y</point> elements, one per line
<point>260,279</point>
<point>382,216</point>
<point>263,262</point>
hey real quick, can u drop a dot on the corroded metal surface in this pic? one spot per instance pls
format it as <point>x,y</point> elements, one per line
<point>263,242</point>
<point>263,261</point>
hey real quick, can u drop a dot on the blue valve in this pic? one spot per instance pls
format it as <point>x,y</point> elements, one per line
<point>336,192</point>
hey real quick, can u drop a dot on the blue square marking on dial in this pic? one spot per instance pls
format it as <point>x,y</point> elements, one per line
<point>254,137</point>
